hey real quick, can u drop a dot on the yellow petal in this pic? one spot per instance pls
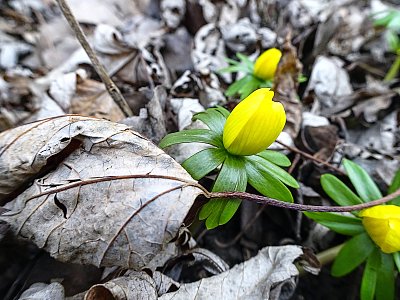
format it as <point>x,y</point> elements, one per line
<point>382,223</point>
<point>254,124</point>
<point>267,63</point>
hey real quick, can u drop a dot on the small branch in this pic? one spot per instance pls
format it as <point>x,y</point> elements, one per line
<point>112,89</point>
<point>300,207</point>
<point>309,156</point>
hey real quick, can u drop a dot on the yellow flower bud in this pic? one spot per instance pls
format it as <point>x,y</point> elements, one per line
<point>382,223</point>
<point>254,124</point>
<point>266,64</point>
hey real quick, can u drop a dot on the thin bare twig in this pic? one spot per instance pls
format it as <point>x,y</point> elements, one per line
<point>297,206</point>
<point>112,89</point>
<point>309,156</point>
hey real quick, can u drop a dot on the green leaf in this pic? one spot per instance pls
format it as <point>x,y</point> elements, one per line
<point>394,23</point>
<point>274,170</point>
<point>396,257</point>
<point>232,177</point>
<point>275,157</point>
<point>266,84</point>
<point>338,191</point>
<point>385,19</point>
<point>266,184</point>
<point>237,85</point>
<point>223,111</point>
<point>341,224</point>
<point>302,78</point>
<point>246,60</point>
<point>385,284</point>
<point>249,87</point>
<point>362,182</point>
<point>354,252</point>
<point>394,186</point>
<point>214,118</point>
<point>192,136</point>
<point>232,61</point>
<point>368,282</point>
<point>203,162</point>
<point>234,68</point>
<point>392,40</point>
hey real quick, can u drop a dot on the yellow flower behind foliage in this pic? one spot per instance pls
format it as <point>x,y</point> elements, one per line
<point>254,124</point>
<point>382,223</point>
<point>266,64</point>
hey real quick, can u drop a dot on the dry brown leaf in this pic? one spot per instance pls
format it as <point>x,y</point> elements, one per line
<point>132,286</point>
<point>115,200</point>
<point>208,52</point>
<point>151,120</point>
<point>240,36</point>
<point>285,87</point>
<point>92,99</point>
<point>329,86</point>
<point>172,12</point>
<point>112,12</point>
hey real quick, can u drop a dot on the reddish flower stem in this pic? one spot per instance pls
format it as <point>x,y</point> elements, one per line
<point>300,207</point>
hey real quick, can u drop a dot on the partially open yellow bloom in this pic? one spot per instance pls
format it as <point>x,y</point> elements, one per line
<point>254,124</point>
<point>266,64</point>
<point>382,223</point>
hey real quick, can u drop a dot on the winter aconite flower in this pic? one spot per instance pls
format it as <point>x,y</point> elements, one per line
<point>258,74</point>
<point>236,153</point>
<point>254,124</point>
<point>382,223</point>
<point>267,63</point>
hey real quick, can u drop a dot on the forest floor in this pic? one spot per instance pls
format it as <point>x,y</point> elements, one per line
<point>62,163</point>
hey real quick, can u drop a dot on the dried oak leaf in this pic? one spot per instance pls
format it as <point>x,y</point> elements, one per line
<point>115,200</point>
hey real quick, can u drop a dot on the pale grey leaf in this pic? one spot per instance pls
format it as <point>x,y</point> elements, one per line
<point>253,279</point>
<point>43,291</point>
<point>131,286</point>
<point>115,200</point>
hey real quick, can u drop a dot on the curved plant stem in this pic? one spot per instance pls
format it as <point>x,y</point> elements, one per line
<point>300,207</point>
<point>394,69</point>
<point>327,256</point>
<point>309,156</point>
<point>112,89</point>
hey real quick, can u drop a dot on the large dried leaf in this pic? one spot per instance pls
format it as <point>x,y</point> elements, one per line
<point>115,200</point>
<point>261,277</point>
<point>256,278</point>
